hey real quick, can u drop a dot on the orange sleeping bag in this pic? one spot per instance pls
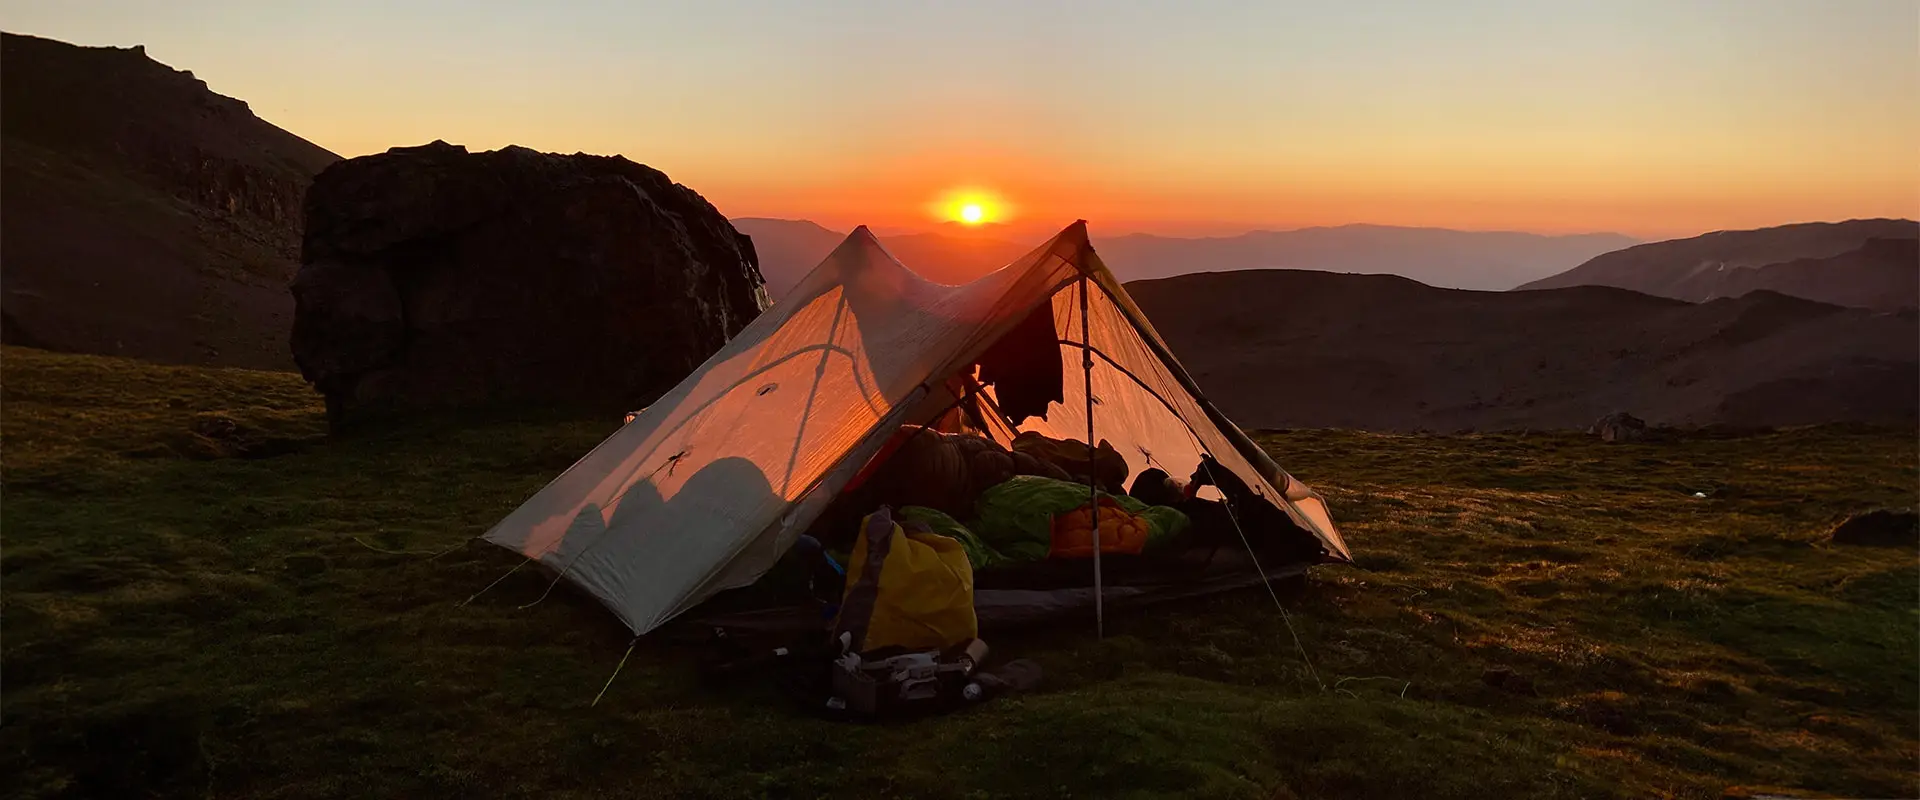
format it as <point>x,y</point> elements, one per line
<point>1120,531</point>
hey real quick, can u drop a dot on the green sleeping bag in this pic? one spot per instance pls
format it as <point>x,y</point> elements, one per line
<point>978,553</point>
<point>1015,518</point>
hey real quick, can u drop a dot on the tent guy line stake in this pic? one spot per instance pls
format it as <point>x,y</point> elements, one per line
<point>363,543</point>
<point>1093,480</point>
<point>1405,684</point>
<point>616,672</point>
<point>1227,503</point>
<point>496,581</point>
<point>463,543</point>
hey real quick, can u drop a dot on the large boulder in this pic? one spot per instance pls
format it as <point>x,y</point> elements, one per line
<point>432,278</point>
<point>1619,426</point>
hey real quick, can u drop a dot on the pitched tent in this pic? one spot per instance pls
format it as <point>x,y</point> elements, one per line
<point>704,490</point>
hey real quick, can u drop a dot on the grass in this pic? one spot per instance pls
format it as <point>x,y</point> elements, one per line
<point>204,596</point>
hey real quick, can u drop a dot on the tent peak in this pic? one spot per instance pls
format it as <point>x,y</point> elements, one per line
<point>862,239</point>
<point>1075,234</point>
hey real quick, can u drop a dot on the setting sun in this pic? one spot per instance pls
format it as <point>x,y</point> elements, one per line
<point>970,206</point>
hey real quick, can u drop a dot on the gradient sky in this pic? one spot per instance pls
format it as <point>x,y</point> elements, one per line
<point>1658,118</point>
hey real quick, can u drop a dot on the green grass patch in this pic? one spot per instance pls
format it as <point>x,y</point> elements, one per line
<point>206,596</point>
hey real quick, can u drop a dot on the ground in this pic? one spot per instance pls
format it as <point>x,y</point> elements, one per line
<point>205,597</point>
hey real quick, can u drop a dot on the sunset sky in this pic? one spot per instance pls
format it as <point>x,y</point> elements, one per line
<point>1660,118</point>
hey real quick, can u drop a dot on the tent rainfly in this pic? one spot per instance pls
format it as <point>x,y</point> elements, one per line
<point>708,486</point>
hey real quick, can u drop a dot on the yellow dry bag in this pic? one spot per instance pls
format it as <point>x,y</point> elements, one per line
<point>906,588</point>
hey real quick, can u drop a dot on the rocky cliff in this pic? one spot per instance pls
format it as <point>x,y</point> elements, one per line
<point>433,278</point>
<point>144,215</point>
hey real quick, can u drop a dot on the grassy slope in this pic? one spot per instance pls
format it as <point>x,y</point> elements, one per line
<point>182,617</point>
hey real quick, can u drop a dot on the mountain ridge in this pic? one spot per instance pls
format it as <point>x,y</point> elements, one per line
<point>1867,263</point>
<point>1299,348</point>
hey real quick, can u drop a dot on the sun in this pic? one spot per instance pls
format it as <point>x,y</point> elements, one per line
<point>972,206</point>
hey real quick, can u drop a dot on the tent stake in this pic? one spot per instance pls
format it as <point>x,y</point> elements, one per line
<point>1227,503</point>
<point>616,672</point>
<point>1093,482</point>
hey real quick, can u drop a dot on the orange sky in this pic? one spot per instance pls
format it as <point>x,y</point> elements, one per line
<point>1648,117</point>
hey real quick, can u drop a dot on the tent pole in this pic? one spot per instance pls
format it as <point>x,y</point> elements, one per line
<point>1093,482</point>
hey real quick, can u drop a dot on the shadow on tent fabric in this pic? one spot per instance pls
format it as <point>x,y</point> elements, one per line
<point>637,556</point>
<point>722,489</point>
<point>741,486</point>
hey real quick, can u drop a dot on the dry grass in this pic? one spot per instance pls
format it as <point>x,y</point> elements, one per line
<point>189,613</point>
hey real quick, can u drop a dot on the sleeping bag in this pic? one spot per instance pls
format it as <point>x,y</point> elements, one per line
<point>1120,531</point>
<point>1016,518</point>
<point>1108,467</point>
<point>978,553</point>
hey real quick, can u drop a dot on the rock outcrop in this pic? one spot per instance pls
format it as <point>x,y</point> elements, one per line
<point>432,278</point>
<point>1619,426</point>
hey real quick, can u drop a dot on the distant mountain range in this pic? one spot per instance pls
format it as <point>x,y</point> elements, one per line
<point>1449,259</point>
<point>143,214</point>
<point>1438,257</point>
<point>1284,348</point>
<point>1865,263</point>
<point>1871,263</point>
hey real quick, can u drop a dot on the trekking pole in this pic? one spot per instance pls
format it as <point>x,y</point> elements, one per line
<point>1093,482</point>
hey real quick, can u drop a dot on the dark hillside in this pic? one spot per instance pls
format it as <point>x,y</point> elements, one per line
<point>143,214</point>
<point>1286,348</point>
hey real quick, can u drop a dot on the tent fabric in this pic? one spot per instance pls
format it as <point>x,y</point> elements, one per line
<point>1151,415</point>
<point>712,483</point>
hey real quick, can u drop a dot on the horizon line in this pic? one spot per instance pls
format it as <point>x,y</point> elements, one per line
<point>1249,229</point>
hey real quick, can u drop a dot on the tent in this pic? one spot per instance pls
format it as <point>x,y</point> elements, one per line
<point>705,489</point>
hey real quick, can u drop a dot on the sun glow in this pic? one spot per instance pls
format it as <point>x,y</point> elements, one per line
<point>970,207</point>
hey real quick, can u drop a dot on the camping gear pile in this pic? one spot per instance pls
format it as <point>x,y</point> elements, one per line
<point>964,452</point>
<point>904,639</point>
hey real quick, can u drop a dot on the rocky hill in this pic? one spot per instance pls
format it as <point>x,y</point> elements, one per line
<point>1865,263</point>
<point>143,214</point>
<point>1284,348</point>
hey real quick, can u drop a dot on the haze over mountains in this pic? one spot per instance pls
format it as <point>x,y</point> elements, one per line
<point>143,214</point>
<point>1437,257</point>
